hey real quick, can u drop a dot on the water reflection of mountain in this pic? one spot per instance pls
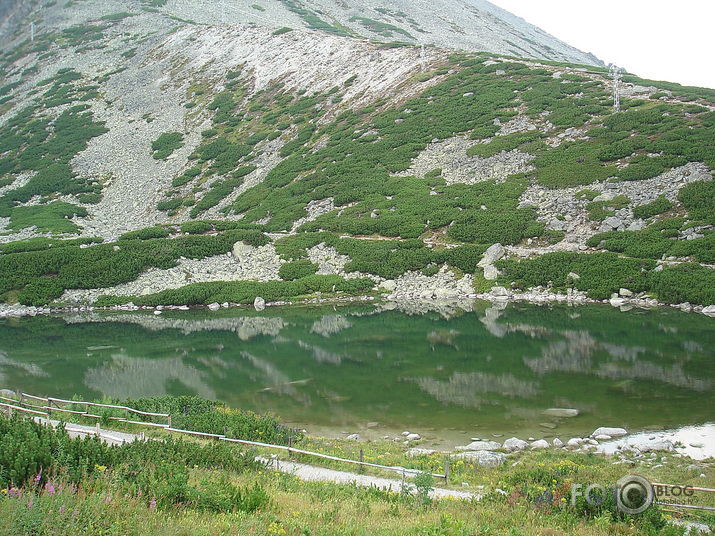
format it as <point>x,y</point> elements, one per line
<point>130,377</point>
<point>337,366</point>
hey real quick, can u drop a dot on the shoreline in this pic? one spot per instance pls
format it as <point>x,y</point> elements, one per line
<point>497,296</point>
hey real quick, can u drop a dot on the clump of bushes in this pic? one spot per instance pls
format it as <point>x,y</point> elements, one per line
<point>654,208</point>
<point>166,144</point>
<point>297,270</point>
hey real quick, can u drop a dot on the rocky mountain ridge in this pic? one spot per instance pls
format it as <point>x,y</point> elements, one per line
<point>338,163</point>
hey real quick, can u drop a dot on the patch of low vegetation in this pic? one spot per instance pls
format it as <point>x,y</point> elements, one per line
<point>105,265</point>
<point>602,274</point>
<point>166,144</point>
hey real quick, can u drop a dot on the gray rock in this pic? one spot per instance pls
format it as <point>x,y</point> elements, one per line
<point>612,222</point>
<point>573,276</point>
<point>353,437</point>
<point>557,443</point>
<point>483,458</point>
<point>480,445</point>
<point>259,303</point>
<point>575,442</point>
<point>490,272</point>
<point>540,444</point>
<point>214,307</point>
<point>625,293</point>
<point>617,302</point>
<point>603,437</point>
<point>613,432</point>
<point>514,444</point>
<point>491,255</point>
<point>656,445</point>
<point>501,292</point>
<point>413,437</point>
<point>709,310</point>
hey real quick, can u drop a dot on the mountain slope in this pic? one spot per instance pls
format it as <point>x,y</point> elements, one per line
<point>338,164</point>
<point>475,25</point>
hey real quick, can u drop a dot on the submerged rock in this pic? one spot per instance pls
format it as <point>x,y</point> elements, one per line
<point>561,412</point>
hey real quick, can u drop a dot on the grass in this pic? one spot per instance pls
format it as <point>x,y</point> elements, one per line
<point>196,487</point>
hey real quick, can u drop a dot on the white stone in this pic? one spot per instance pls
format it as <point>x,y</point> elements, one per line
<point>214,307</point>
<point>480,445</point>
<point>157,313</point>
<point>625,293</point>
<point>574,442</point>
<point>414,437</point>
<point>557,443</point>
<point>613,432</point>
<point>491,255</point>
<point>490,272</point>
<point>259,303</point>
<point>353,437</point>
<point>603,437</point>
<point>709,310</point>
<point>540,444</point>
<point>656,445</point>
<point>514,444</point>
<point>501,292</point>
<point>390,285</point>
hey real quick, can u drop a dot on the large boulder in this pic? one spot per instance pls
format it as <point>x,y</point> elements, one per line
<point>259,303</point>
<point>480,445</point>
<point>656,445</point>
<point>540,444</point>
<point>492,255</point>
<point>514,444</point>
<point>613,432</point>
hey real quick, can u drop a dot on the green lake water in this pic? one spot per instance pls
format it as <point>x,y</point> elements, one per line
<point>378,372</point>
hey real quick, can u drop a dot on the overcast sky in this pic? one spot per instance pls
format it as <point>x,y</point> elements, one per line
<point>656,39</point>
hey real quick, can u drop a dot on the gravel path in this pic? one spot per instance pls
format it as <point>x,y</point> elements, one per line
<point>308,473</point>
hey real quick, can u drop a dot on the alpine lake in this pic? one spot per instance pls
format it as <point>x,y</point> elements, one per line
<point>449,374</point>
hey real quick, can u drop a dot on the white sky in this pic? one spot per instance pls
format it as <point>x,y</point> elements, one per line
<point>655,39</point>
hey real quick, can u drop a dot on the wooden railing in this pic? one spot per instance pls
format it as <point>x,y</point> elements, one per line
<point>19,404</point>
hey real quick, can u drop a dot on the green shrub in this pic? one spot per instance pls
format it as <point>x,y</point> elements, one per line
<point>699,198</point>
<point>166,144</point>
<point>40,292</point>
<point>654,208</point>
<point>601,274</point>
<point>297,270</point>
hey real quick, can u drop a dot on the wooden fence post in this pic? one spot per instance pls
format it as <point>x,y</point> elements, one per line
<point>446,470</point>
<point>169,421</point>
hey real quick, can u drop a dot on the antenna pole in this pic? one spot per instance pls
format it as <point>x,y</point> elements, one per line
<point>616,75</point>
